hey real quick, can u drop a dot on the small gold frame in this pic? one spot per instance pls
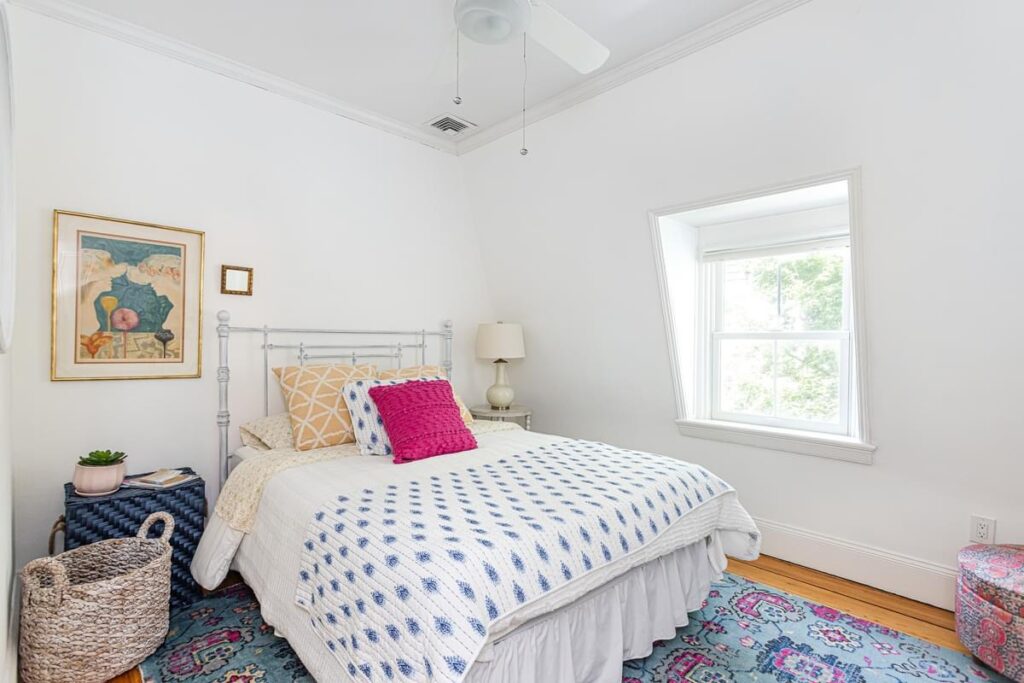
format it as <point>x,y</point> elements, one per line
<point>225,270</point>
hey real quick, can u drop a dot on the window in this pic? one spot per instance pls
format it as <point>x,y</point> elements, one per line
<point>780,347</point>
<point>759,299</point>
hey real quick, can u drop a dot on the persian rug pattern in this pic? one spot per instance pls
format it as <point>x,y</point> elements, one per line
<point>745,632</point>
<point>750,632</point>
<point>223,639</point>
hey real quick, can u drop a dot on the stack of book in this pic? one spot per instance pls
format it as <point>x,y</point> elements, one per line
<point>161,479</point>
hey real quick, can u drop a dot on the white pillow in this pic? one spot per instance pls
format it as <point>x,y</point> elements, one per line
<point>366,421</point>
<point>267,433</point>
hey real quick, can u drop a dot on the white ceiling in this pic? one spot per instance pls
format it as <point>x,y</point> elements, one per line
<point>396,58</point>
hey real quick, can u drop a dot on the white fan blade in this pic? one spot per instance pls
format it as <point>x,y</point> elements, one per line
<point>566,40</point>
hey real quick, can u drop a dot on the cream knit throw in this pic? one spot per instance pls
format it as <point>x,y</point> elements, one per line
<point>241,494</point>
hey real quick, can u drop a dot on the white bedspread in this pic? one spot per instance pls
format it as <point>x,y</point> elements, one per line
<point>269,557</point>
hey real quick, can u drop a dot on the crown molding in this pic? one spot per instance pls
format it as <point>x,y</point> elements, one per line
<point>705,36</point>
<point>98,22</point>
<point>133,34</point>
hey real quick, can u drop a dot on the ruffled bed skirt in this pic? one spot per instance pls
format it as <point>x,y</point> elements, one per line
<point>587,641</point>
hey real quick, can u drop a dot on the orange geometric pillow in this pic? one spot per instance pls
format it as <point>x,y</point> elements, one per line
<point>421,371</point>
<point>316,408</point>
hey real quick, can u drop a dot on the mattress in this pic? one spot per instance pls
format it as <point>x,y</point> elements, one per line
<point>583,630</point>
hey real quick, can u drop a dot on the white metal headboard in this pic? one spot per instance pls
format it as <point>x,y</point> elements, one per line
<point>353,351</point>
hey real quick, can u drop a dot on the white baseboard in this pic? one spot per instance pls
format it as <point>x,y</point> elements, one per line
<point>910,577</point>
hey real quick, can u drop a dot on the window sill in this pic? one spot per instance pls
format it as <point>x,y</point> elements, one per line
<point>789,441</point>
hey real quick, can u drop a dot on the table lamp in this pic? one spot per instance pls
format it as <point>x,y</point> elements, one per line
<point>500,342</point>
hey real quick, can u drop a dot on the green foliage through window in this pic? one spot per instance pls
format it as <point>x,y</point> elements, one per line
<point>795,379</point>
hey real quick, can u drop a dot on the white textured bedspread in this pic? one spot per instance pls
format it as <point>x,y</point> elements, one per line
<point>287,519</point>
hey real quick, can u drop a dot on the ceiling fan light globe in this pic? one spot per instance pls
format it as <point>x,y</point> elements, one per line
<point>492,21</point>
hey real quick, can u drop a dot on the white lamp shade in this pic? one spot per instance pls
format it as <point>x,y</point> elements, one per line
<point>500,340</point>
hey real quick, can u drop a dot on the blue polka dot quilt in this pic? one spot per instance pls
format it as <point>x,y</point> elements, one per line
<point>406,577</point>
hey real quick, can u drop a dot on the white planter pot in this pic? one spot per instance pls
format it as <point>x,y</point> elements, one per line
<point>97,481</point>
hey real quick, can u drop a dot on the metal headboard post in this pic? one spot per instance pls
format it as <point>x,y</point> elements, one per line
<point>223,377</point>
<point>346,352</point>
<point>446,348</point>
<point>267,347</point>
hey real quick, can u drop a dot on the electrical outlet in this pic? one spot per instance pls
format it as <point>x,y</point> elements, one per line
<point>983,529</point>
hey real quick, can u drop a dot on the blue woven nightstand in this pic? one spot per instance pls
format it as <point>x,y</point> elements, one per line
<point>87,520</point>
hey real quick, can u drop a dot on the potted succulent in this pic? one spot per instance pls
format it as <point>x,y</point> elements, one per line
<point>99,473</point>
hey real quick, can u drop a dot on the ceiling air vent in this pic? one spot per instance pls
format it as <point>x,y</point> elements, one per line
<point>450,125</point>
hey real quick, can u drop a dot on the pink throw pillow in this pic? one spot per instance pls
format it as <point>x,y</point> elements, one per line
<point>422,420</point>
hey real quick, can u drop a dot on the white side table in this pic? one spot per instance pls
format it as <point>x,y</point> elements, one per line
<point>514,413</point>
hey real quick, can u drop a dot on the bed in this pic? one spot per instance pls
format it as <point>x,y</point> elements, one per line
<point>579,624</point>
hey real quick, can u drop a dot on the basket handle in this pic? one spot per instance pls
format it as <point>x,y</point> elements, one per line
<point>32,575</point>
<point>158,517</point>
<point>58,527</point>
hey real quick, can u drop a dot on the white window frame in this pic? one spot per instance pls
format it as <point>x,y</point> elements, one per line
<point>694,378</point>
<point>714,337</point>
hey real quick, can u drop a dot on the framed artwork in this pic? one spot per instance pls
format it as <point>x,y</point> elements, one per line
<point>127,299</point>
<point>236,280</point>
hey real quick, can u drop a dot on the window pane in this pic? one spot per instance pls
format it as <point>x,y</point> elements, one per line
<point>811,285</point>
<point>781,379</point>
<point>746,379</point>
<point>808,380</point>
<point>750,295</point>
<point>796,292</point>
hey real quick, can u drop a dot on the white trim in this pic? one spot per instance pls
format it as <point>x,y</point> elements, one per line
<point>707,320</point>
<point>138,36</point>
<point>746,17</point>
<point>859,370</point>
<point>667,316</point>
<point>820,445</point>
<point>912,577</point>
<point>773,249</point>
<point>754,193</point>
<point>729,25</point>
<point>786,335</point>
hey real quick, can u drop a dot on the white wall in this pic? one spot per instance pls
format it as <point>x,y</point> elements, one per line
<point>345,226</point>
<point>916,94</point>
<point>8,612</point>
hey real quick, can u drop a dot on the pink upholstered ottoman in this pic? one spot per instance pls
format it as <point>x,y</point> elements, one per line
<point>990,606</point>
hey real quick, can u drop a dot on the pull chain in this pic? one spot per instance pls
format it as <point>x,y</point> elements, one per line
<point>458,66</point>
<point>526,72</point>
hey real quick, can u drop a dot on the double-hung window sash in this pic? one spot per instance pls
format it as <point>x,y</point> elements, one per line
<point>757,354</point>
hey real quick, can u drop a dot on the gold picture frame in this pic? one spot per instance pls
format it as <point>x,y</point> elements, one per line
<point>226,273</point>
<point>127,299</point>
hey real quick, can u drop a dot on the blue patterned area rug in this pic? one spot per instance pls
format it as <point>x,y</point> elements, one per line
<point>750,632</point>
<point>223,639</point>
<point>745,632</point>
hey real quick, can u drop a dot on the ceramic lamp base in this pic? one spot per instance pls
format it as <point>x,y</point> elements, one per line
<point>500,395</point>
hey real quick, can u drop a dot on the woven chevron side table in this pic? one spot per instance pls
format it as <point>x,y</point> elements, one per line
<point>91,519</point>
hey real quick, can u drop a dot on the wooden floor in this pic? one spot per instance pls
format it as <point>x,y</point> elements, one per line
<point>915,618</point>
<point>902,614</point>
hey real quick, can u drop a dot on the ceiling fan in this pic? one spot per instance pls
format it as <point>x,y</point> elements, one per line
<point>499,21</point>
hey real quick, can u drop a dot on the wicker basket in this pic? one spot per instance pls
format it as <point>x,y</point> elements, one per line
<point>96,611</point>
